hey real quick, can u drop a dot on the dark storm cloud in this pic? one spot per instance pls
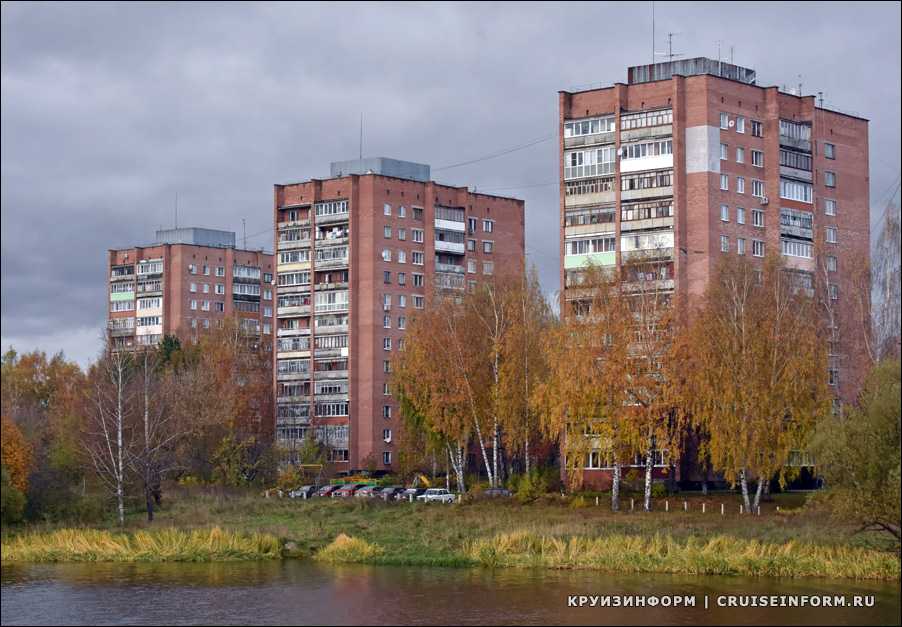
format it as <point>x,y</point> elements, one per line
<point>109,111</point>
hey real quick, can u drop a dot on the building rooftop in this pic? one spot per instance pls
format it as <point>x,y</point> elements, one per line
<point>689,67</point>
<point>383,166</point>
<point>196,236</point>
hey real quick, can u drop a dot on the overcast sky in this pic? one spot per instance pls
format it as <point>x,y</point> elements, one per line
<point>109,111</point>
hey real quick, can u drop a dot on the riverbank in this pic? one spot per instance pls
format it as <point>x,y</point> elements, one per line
<point>546,534</point>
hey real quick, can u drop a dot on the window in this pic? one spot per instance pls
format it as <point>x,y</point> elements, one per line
<point>205,306</point>
<point>206,270</point>
<point>652,148</point>
<point>757,188</point>
<point>193,288</point>
<point>487,246</point>
<point>646,180</point>
<point>757,248</point>
<point>834,291</point>
<point>488,226</point>
<point>194,304</point>
<point>657,117</point>
<point>386,277</point>
<point>471,224</point>
<point>797,160</point>
<point>724,244</point>
<point>402,212</point>
<point>471,244</point>
<point>402,322</point>
<point>192,269</point>
<point>206,288</point>
<point>587,162</point>
<point>402,256</point>
<point>829,151</point>
<point>724,182</point>
<point>740,246</point>
<point>386,457</point>
<point>417,258</point>
<point>386,435</point>
<point>795,190</point>
<point>386,411</point>
<point>330,208</point>
<point>795,130</point>
<point>795,248</point>
<point>386,209</point>
<point>829,207</point>
<point>419,302</point>
<point>758,218</point>
<point>830,178</point>
<point>220,288</point>
<point>267,294</point>
<point>488,267</point>
<point>740,154</point>
<point>471,266</point>
<point>831,234</point>
<point>724,120</point>
<point>589,127</point>
<point>386,389</point>
<point>740,124</point>
<point>740,215</point>
<point>740,184</point>
<point>402,234</point>
<point>831,263</point>
<point>757,129</point>
<point>758,158</point>
<point>386,254</point>
<point>417,213</point>
<point>386,343</point>
<point>416,235</point>
<point>220,270</point>
<point>402,278</point>
<point>833,377</point>
<point>725,213</point>
<point>386,232</point>
<point>418,280</point>
<point>724,152</point>
<point>402,300</point>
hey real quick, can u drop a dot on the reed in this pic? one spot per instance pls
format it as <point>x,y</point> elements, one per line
<point>167,544</point>
<point>349,550</point>
<point>717,555</point>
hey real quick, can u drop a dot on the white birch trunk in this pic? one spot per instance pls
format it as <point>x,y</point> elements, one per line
<point>648,467</point>
<point>744,484</point>
<point>615,488</point>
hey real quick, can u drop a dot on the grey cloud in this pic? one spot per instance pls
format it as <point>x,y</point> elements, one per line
<point>109,110</point>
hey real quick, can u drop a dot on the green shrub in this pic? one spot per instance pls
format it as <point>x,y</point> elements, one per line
<point>658,490</point>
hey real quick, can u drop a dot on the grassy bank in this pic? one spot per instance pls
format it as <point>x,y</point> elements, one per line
<point>160,545</point>
<point>548,534</point>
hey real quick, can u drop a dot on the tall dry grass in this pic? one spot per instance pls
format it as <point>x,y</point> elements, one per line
<point>167,544</point>
<point>348,549</point>
<point>718,555</point>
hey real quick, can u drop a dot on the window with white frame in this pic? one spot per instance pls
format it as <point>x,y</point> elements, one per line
<point>488,267</point>
<point>487,246</point>
<point>757,248</point>
<point>831,263</point>
<point>740,154</point>
<point>724,152</point>
<point>386,254</point>
<point>417,258</point>
<point>758,218</point>
<point>724,120</point>
<point>386,209</point>
<point>758,158</point>
<point>796,190</point>
<point>725,213</point>
<point>416,235</point>
<point>829,151</point>
<point>757,188</point>
<point>740,215</point>
<point>724,182</point>
<point>740,246</point>
<point>830,178</point>
<point>488,226</point>
<point>724,244</point>
<point>831,235</point>
<point>829,207</point>
<point>740,124</point>
<point>740,184</point>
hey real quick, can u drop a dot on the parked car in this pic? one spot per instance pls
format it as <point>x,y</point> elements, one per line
<point>347,490</point>
<point>436,495</point>
<point>303,492</point>
<point>326,490</point>
<point>367,492</point>
<point>404,495</point>
<point>390,492</point>
<point>492,493</point>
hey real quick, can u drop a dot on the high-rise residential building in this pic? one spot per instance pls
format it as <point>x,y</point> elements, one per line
<point>690,160</point>
<point>358,254</point>
<point>189,280</point>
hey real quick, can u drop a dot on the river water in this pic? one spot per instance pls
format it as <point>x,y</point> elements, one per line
<point>299,592</point>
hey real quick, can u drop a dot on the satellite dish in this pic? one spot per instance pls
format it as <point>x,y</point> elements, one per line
<point>732,123</point>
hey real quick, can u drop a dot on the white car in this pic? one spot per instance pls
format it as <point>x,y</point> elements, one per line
<point>436,495</point>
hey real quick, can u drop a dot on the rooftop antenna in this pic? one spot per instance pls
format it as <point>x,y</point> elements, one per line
<point>361,135</point>
<point>653,32</point>
<point>244,232</point>
<point>820,99</point>
<point>176,210</point>
<point>731,55</point>
<point>800,85</point>
<point>670,53</point>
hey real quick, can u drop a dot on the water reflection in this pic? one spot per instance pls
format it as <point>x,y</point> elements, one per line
<point>306,593</point>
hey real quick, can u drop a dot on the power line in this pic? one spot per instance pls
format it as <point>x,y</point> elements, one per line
<point>496,154</point>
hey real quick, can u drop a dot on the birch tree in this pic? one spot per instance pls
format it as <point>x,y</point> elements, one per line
<point>109,432</point>
<point>756,371</point>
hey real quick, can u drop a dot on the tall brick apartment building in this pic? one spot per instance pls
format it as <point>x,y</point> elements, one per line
<point>357,256</point>
<point>692,159</point>
<point>189,280</point>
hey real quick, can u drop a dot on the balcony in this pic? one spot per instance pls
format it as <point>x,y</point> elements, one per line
<point>298,310</point>
<point>292,332</point>
<point>451,225</point>
<point>646,225</point>
<point>454,248</point>
<point>450,281</point>
<point>591,259</point>
<point>292,376</point>
<point>293,244</point>
<point>646,132</point>
<point>796,173</point>
<point>590,140</point>
<point>334,218</point>
<point>794,142</point>
<point>320,353</point>
<point>122,274</point>
<point>448,267</point>
<point>320,375</point>
<point>651,192</point>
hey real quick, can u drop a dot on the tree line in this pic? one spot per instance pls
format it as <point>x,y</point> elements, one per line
<point>74,440</point>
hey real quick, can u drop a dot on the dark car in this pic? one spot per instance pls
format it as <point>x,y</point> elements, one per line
<point>406,494</point>
<point>326,490</point>
<point>389,493</point>
<point>493,493</point>
<point>346,491</point>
